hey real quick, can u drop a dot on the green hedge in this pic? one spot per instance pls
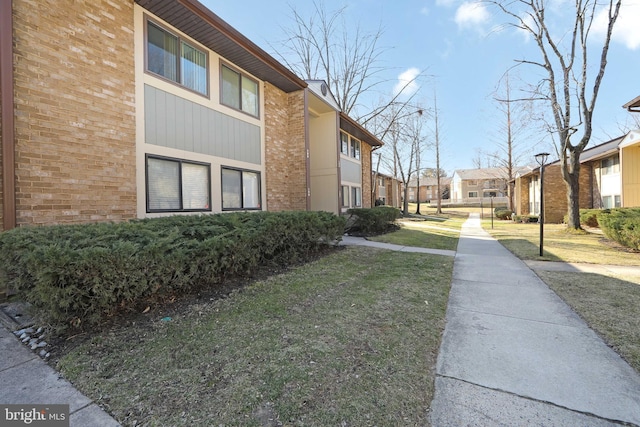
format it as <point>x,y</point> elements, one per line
<point>588,217</point>
<point>524,218</point>
<point>621,225</point>
<point>80,274</point>
<point>503,213</point>
<point>368,221</point>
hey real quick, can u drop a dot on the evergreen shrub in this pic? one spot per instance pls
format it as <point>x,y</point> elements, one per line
<point>621,225</point>
<point>81,274</point>
<point>370,221</point>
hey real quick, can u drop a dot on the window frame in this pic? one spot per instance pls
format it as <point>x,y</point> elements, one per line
<point>240,74</point>
<point>180,194</point>
<point>345,194</point>
<point>611,167</point>
<point>242,171</point>
<point>180,39</point>
<point>342,143</point>
<point>355,154</point>
<point>356,196</point>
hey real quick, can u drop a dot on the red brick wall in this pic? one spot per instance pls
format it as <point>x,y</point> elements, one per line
<point>75,114</point>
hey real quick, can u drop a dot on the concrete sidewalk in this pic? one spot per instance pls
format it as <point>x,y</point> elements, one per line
<point>25,379</point>
<point>514,354</point>
<point>360,241</point>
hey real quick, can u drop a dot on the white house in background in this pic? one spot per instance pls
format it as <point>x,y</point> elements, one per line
<point>474,185</point>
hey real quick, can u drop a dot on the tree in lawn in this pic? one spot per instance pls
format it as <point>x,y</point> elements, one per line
<point>403,137</point>
<point>511,148</point>
<point>567,86</point>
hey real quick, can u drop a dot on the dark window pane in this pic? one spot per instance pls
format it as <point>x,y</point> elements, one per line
<point>164,184</point>
<point>162,52</point>
<point>231,189</point>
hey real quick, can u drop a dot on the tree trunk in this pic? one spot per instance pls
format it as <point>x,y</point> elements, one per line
<point>405,202</point>
<point>571,175</point>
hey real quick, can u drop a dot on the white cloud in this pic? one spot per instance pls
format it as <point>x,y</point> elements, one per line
<point>529,22</point>
<point>472,15</point>
<point>626,30</point>
<point>407,83</point>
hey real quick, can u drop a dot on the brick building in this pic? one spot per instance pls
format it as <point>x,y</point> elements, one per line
<point>120,109</point>
<point>609,178</point>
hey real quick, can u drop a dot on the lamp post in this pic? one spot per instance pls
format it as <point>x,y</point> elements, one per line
<point>541,158</point>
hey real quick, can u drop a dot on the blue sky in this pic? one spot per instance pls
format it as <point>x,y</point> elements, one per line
<point>466,50</point>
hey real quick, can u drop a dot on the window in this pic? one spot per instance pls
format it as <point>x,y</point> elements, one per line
<point>472,183</point>
<point>344,143</point>
<point>609,202</point>
<point>177,185</point>
<point>356,197</point>
<point>610,165</point>
<point>345,196</point>
<point>239,91</point>
<point>176,60</point>
<point>355,148</point>
<point>489,194</point>
<point>473,194</point>
<point>240,189</point>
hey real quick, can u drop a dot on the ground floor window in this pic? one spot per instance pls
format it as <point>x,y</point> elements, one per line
<point>473,194</point>
<point>345,196</point>
<point>240,189</point>
<point>175,185</point>
<point>609,202</point>
<point>356,197</point>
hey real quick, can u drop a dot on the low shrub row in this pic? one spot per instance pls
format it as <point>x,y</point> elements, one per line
<point>621,225</point>
<point>378,220</point>
<point>80,274</point>
<point>503,213</point>
<point>524,218</point>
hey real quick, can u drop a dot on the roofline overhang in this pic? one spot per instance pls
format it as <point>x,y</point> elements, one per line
<point>202,20</point>
<point>633,106</point>
<point>355,129</point>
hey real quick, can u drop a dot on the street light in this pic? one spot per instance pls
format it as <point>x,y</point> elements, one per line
<point>541,158</point>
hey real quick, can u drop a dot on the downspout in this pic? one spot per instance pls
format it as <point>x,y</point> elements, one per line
<point>307,147</point>
<point>7,118</point>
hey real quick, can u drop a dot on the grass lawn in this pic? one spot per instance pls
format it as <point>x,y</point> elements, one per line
<point>609,304</point>
<point>559,245</point>
<point>434,232</point>
<point>349,339</point>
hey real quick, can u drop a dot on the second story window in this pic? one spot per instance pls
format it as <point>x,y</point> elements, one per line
<point>344,143</point>
<point>174,59</point>
<point>355,148</point>
<point>238,91</point>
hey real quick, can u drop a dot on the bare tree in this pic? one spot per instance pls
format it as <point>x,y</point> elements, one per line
<point>403,137</point>
<point>566,86</point>
<point>510,148</point>
<point>326,46</point>
<point>436,146</point>
<point>323,46</point>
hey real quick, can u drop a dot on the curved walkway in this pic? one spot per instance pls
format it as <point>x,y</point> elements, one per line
<point>361,241</point>
<point>514,354</point>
